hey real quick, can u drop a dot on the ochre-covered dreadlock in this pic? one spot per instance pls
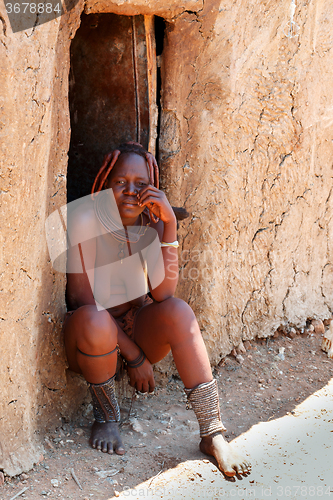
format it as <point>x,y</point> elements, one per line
<point>111,158</point>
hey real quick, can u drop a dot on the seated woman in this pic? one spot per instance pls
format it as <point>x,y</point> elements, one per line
<point>142,330</point>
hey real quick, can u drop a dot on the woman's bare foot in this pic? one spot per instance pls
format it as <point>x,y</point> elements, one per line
<point>105,437</point>
<point>229,461</point>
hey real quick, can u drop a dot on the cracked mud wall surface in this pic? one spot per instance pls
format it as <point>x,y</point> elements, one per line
<point>35,390</point>
<point>246,146</point>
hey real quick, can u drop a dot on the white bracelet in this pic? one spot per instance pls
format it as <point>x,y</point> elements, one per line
<point>174,244</point>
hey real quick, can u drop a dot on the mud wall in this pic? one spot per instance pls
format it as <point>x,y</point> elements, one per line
<point>246,146</point>
<point>35,129</point>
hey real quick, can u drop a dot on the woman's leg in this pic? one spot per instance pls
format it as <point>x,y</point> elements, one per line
<point>90,342</point>
<point>171,324</point>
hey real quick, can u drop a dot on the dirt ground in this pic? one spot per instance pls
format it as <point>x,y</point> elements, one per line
<point>274,375</point>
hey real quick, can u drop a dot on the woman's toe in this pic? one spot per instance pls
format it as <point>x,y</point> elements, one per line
<point>229,471</point>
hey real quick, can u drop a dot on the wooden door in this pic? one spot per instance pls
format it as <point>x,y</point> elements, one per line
<point>111,92</point>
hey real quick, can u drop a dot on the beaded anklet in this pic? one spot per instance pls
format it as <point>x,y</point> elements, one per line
<point>204,400</point>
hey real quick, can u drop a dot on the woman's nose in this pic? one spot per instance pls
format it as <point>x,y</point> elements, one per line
<point>130,188</point>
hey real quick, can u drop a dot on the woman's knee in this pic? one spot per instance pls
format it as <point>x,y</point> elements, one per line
<point>97,328</point>
<point>177,311</point>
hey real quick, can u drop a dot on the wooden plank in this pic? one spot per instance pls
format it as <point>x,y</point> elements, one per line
<point>152,81</point>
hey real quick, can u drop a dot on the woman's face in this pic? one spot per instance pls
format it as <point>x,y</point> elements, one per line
<point>128,176</point>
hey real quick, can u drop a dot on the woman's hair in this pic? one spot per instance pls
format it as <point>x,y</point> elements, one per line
<point>110,160</point>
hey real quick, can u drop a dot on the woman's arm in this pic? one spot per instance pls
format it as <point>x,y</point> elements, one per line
<point>168,234</point>
<point>157,202</point>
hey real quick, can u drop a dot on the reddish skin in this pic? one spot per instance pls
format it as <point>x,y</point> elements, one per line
<point>168,323</point>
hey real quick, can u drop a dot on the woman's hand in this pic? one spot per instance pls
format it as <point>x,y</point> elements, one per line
<point>142,378</point>
<point>157,202</point>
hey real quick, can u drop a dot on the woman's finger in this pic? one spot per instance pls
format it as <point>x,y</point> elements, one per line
<point>145,387</point>
<point>150,187</point>
<point>144,196</point>
<point>149,200</point>
<point>151,384</point>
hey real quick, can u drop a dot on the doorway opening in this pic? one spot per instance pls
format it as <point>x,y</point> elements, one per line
<point>114,91</point>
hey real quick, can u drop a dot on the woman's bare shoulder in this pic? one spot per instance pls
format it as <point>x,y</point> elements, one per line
<point>81,221</point>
